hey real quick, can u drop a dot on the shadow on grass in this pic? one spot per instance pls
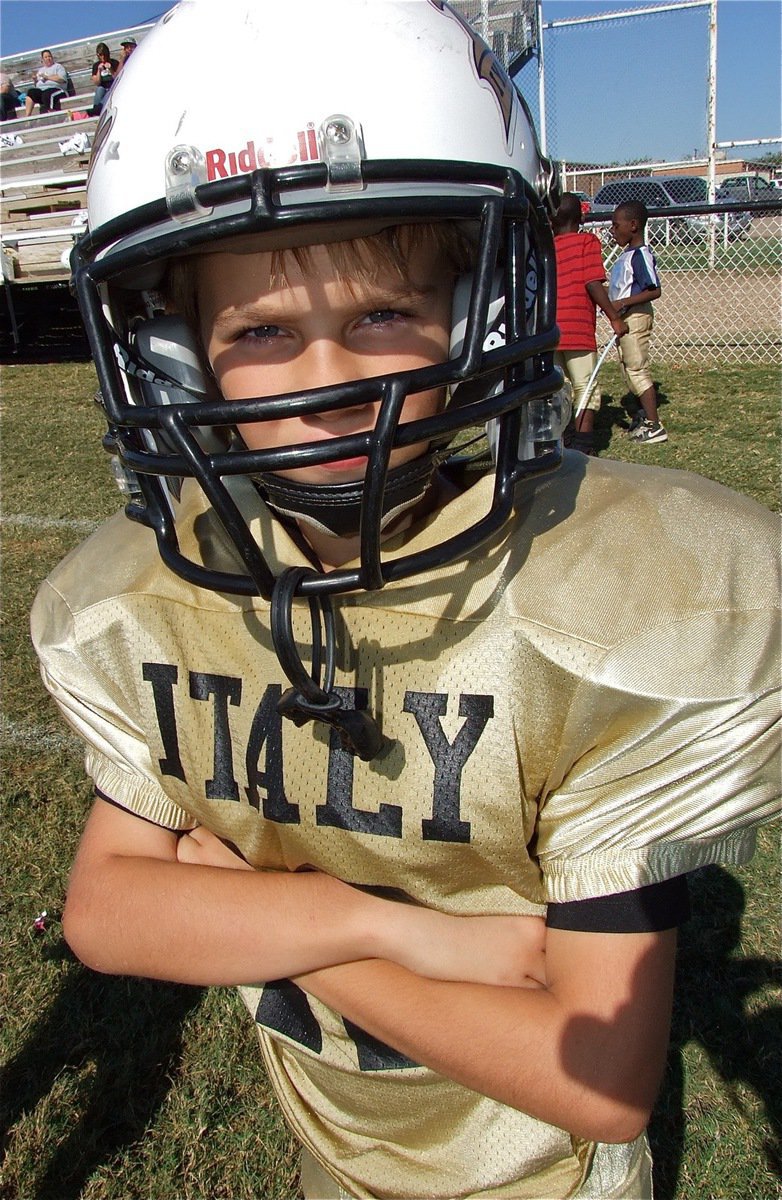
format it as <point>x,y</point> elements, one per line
<point>130,1031</point>
<point>617,413</point>
<point>713,986</point>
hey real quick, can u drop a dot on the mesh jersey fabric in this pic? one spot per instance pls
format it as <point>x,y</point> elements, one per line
<point>587,706</point>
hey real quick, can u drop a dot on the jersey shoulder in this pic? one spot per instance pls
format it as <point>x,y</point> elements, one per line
<point>612,547</point>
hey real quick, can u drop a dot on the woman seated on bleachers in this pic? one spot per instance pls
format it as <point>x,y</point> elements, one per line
<point>103,72</point>
<point>51,83</point>
<point>9,97</point>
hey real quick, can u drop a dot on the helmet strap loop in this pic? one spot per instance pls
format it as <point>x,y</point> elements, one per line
<point>307,700</point>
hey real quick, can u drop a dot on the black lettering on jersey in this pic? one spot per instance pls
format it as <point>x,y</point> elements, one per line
<point>222,786</point>
<point>449,758</point>
<point>163,676</point>
<point>338,811</point>
<point>267,730</point>
<point>374,1055</point>
<point>285,1007</point>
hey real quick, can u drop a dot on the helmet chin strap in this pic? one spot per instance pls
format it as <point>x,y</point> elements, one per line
<point>335,508</point>
<point>307,700</point>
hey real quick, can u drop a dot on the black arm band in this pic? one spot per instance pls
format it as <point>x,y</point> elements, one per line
<point>647,909</point>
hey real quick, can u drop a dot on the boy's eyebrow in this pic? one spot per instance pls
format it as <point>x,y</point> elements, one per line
<point>370,296</point>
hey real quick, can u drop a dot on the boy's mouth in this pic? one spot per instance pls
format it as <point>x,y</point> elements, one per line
<point>347,464</point>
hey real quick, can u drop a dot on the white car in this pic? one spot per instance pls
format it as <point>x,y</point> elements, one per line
<point>749,187</point>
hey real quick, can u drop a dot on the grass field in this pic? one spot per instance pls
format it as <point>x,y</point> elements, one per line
<point>118,1088</point>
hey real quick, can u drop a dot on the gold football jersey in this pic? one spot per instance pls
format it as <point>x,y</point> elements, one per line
<point>588,705</point>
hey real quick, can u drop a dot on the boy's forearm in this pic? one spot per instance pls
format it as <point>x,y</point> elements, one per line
<point>592,1069</point>
<point>204,925</point>
<point>638,298</point>
<point>599,295</point>
<point>143,901</point>
<point>502,1042</point>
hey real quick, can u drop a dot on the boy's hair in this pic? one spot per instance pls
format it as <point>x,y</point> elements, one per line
<point>358,262</point>
<point>634,209</point>
<point>569,211</point>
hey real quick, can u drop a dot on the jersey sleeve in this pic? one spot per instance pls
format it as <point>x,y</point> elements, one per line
<point>669,758</point>
<point>88,688</point>
<point>644,269</point>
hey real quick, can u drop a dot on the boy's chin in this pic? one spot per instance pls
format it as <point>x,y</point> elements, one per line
<point>332,500</point>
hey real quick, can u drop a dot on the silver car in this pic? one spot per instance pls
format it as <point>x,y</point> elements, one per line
<point>673,191</point>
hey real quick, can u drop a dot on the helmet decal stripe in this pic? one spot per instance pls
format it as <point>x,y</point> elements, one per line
<point>488,68</point>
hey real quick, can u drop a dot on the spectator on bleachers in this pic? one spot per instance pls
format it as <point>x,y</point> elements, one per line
<point>51,83</point>
<point>9,97</point>
<point>103,72</point>
<point>127,48</point>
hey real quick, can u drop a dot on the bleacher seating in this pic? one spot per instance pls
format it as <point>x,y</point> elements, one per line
<point>42,189</point>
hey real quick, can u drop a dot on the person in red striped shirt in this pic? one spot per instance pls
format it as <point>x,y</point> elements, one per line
<point>581,291</point>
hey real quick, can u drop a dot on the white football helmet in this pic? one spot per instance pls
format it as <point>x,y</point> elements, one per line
<point>344,117</point>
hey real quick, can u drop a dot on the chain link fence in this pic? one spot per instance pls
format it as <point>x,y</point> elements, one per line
<point>719,265</point>
<point>718,242</point>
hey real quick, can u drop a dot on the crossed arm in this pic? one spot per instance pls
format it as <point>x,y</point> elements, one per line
<point>581,1046</point>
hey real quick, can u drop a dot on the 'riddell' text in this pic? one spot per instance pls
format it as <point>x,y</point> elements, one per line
<point>272,152</point>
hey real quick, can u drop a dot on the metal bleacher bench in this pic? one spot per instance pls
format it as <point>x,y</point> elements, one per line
<point>42,189</point>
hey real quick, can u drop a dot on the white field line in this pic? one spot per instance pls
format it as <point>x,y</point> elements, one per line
<point>34,737</point>
<point>28,522</point>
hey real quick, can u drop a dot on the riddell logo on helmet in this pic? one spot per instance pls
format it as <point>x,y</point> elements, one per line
<point>271,152</point>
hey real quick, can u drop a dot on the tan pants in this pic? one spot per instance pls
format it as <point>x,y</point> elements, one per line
<point>618,1173</point>
<point>633,349</point>
<point>578,366</point>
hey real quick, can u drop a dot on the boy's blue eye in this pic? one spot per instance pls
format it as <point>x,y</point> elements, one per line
<point>382,316</point>
<point>262,332</point>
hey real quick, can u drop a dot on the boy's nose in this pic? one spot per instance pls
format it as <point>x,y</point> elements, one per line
<point>326,363</point>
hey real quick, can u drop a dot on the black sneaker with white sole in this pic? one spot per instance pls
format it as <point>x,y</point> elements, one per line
<point>649,432</point>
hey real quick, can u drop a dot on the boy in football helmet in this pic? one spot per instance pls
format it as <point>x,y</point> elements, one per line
<point>375,717</point>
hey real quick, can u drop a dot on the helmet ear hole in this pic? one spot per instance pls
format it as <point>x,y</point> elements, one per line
<point>168,344</point>
<point>494,333</point>
<point>169,347</point>
<point>473,390</point>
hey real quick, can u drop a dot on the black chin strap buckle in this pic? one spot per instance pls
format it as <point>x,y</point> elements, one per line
<point>357,730</point>
<point>307,700</point>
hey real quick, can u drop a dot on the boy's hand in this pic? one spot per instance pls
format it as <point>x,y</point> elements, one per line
<point>504,951</point>
<point>204,849</point>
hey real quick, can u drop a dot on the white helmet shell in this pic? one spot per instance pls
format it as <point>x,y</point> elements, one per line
<point>431,90</point>
<point>330,121</point>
